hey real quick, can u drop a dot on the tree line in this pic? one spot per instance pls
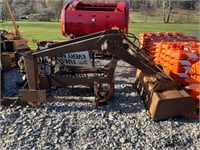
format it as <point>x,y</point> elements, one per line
<point>165,7</point>
<point>46,10</point>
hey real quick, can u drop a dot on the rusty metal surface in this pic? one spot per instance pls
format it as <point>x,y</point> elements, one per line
<point>33,97</point>
<point>171,103</point>
<point>165,102</point>
<point>30,97</point>
<point>31,71</point>
<point>102,96</point>
<point>8,101</point>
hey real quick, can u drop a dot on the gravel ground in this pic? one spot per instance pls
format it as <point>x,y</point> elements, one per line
<point>77,125</point>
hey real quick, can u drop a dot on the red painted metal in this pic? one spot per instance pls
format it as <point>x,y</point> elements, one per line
<point>82,17</point>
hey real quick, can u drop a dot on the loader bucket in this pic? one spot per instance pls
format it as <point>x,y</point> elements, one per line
<point>163,104</point>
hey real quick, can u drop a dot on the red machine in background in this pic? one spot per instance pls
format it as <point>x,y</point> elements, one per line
<point>85,17</point>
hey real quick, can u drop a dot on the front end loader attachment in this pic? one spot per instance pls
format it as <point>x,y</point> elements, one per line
<point>56,66</point>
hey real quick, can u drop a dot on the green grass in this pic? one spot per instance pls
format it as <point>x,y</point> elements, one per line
<point>178,16</point>
<point>51,30</point>
<point>38,31</point>
<point>187,29</point>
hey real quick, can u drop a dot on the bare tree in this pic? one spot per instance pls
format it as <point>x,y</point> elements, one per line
<point>146,9</point>
<point>56,7</point>
<point>3,14</point>
<point>167,9</point>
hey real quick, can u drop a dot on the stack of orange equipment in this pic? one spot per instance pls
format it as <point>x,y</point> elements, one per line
<point>179,55</point>
<point>180,58</point>
<point>148,40</point>
<point>194,88</point>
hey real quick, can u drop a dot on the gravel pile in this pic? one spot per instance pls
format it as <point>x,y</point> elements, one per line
<point>77,125</point>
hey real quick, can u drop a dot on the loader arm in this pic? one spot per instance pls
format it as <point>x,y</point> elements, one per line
<point>114,41</point>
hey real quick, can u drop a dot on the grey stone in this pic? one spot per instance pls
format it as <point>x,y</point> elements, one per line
<point>122,140</point>
<point>110,116</point>
<point>72,125</point>
<point>114,128</point>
